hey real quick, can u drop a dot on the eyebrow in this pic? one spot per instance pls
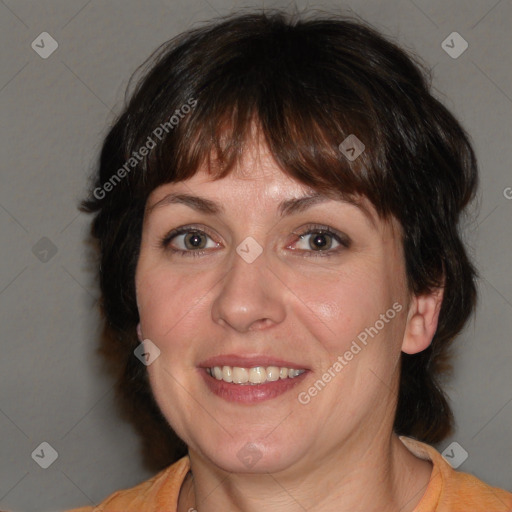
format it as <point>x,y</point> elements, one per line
<point>285,208</point>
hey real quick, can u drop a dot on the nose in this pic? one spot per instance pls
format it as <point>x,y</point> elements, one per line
<point>251,296</point>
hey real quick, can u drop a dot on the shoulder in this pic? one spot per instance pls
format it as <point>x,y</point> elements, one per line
<point>455,491</point>
<point>160,490</point>
<point>470,493</point>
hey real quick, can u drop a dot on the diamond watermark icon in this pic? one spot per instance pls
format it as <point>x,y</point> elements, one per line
<point>45,455</point>
<point>454,454</point>
<point>454,45</point>
<point>147,352</point>
<point>249,454</point>
<point>44,249</point>
<point>249,249</point>
<point>351,147</point>
<point>44,45</point>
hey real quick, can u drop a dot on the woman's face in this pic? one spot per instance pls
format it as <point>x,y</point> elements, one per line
<point>259,295</point>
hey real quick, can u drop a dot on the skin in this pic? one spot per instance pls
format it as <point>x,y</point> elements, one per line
<point>335,453</point>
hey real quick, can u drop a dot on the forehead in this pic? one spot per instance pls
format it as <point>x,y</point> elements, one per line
<point>256,178</point>
<point>255,174</point>
<point>263,185</point>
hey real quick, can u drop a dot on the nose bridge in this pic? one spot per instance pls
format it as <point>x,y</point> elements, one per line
<point>249,296</point>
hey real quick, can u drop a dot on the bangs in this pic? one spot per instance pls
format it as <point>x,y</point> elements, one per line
<point>218,142</point>
<point>277,95</point>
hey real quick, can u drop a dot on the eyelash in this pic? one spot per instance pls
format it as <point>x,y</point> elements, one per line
<point>343,240</point>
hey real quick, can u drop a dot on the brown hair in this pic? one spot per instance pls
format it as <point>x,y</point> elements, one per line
<point>309,83</point>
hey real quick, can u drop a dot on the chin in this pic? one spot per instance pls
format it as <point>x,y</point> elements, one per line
<point>245,456</point>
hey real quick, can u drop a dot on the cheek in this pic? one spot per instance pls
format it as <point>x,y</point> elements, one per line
<point>338,309</point>
<point>167,301</point>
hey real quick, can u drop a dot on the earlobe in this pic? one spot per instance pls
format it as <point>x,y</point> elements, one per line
<point>139,332</point>
<point>422,321</point>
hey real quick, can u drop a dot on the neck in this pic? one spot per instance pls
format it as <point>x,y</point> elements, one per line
<point>378,475</point>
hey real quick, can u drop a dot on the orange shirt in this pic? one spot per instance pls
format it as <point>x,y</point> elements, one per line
<point>447,491</point>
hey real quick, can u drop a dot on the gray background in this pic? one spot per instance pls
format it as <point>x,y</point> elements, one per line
<point>55,112</point>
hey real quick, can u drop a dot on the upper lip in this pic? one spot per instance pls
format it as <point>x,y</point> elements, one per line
<point>249,361</point>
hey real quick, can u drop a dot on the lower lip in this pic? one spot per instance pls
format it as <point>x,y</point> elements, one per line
<point>250,393</point>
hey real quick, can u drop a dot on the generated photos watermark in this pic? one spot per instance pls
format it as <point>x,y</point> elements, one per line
<point>304,397</point>
<point>146,352</point>
<point>158,133</point>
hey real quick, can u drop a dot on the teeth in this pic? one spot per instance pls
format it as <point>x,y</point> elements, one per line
<point>240,375</point>
<point>272,373</point>
<point>227,374</point>
<point>256,375</point>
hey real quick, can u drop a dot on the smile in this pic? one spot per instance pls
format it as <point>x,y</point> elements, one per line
<point>252,376</point>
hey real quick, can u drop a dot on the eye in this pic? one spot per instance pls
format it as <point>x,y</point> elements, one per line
<point>191,241</point>
<point>319,239</point>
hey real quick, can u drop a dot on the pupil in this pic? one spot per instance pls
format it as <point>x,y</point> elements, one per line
<point>194,240</point>
<point>320,241</point>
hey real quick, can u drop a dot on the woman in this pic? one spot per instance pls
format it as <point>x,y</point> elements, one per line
<point>277,210</point>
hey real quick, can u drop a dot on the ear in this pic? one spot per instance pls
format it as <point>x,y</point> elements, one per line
<point>422,321</point>
<point>139,332</point>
